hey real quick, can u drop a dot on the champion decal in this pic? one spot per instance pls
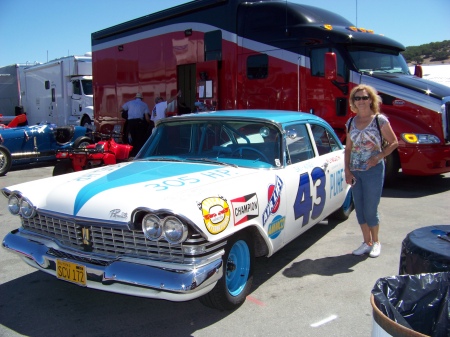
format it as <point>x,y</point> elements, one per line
<point>245,208</point>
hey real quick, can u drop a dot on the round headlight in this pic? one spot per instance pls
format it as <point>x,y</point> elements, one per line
<point>26,208</point>
<point>151,226</point>
<point>174,230</point>
<point>13,204</point>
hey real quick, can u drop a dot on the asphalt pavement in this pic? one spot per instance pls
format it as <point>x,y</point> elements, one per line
<point>312,287</point>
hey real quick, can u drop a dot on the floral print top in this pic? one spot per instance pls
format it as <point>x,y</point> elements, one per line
<point>366,142</point>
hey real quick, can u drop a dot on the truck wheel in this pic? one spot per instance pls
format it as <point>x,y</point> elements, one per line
<point>347,207</point>
<point>392,165</point>
<point>232,289</point>
<point>62,167</point>
<point>5,160</point>
<point>82,142</point>
<point>86,122</point>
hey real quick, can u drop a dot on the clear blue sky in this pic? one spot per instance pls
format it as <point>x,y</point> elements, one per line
<point>41,30</point>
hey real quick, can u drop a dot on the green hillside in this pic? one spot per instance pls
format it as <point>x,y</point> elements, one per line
<point>434,52</point>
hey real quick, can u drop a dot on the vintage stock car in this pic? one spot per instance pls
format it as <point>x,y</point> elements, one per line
<point>206,194</point>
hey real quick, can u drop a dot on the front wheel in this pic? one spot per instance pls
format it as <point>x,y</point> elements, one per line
<point>5,160</point>
<point>232,289</point>
<point>82,142</point>
<point>392,165</point>
<point>86,122</point>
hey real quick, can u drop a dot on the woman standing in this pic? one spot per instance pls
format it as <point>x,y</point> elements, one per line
<point>364,164</point>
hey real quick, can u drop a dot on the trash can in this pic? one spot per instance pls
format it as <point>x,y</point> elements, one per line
<point>411,305</point>
<point>426,250</point>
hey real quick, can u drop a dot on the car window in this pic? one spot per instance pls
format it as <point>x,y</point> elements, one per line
<point>325,141</point>
<point>299,146</point>
<point>221,140</point>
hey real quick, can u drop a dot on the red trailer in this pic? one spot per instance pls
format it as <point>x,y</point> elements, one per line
<point>233,54</point>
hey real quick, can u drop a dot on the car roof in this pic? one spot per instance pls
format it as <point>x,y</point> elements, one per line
<point>277,116</point>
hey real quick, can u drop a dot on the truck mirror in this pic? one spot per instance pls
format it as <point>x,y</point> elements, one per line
<point>47,85</point>
<point>418,70</point>
<point>330,66</point>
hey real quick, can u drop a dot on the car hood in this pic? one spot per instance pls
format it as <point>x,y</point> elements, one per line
<point>111,193</point>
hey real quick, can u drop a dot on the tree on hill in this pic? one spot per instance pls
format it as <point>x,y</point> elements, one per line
<point>437,51</point>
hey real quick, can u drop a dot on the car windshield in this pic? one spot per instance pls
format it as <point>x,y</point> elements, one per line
<point>378,60</point>
<point>222,142</point>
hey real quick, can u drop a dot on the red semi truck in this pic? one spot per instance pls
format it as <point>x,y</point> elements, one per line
<point>236,54</point>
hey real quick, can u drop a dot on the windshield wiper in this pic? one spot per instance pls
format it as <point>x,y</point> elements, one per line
<point>213,161</point>
<point>162,159</point>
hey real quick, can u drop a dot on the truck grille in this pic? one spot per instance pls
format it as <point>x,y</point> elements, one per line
<point>113,243</point>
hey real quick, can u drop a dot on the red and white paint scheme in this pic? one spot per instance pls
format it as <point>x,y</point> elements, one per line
<point>270,55</point>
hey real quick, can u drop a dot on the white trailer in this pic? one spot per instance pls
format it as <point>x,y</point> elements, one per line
<point>12,86</point>
<point>60,92</point>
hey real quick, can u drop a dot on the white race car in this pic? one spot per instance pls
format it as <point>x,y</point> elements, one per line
<point>206,194</point>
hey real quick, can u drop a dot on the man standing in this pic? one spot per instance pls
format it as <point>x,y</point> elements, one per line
<point>160,109</point>
<point>136,123</point>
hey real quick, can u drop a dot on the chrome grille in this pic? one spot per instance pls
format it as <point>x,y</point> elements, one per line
<point>66,232</point>
<point>124,242</point>
<point>113,243</point>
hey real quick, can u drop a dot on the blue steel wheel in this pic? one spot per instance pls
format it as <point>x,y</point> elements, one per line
<point>237,268</point>
<point>234,286</point>
<point>347,207</point>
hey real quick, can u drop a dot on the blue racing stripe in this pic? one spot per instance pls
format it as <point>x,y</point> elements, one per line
<point>134,173</point>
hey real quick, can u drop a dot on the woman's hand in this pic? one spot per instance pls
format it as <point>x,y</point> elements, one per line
<point>349,177</point>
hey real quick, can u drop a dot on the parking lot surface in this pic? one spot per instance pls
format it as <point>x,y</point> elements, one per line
<point>312,287</point>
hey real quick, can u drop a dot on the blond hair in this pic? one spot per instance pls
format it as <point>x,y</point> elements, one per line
<point>373,94</point>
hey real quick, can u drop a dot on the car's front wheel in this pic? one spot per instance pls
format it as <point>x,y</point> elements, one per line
<point>82,142</point>
<point>232,289</point>
<point>5,160</point>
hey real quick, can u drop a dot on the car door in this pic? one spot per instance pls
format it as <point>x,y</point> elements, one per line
<point>312,172</point>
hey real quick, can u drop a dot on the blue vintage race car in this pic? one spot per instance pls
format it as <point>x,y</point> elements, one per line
<point>206,194</point>
<point>37,143</point>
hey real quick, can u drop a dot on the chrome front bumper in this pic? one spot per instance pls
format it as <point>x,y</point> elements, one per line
<point>137,277</point>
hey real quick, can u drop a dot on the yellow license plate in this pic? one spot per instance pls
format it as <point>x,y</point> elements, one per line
<point>71,272</point>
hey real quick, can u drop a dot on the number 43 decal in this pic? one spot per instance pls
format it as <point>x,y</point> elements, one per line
<point>304,205</point>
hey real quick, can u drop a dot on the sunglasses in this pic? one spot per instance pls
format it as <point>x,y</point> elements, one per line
<point>358,98</point>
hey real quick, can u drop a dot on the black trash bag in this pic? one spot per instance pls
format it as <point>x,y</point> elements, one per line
<point>418,302</point>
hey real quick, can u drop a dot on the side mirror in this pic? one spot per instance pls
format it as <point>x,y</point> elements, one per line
<point>418,71</point>
<point>330,66</point>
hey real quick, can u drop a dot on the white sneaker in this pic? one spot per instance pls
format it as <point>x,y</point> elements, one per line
<point>363,249</point>
<point>376,249</point>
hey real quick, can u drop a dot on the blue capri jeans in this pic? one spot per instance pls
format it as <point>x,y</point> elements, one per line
<point>367,194</point>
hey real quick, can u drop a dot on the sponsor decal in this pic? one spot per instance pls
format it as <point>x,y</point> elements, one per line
<point>398,102</point>
<point>274,197</point>
<point>216,214</point>
<point>245,208</point>
<point>276,226</point>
